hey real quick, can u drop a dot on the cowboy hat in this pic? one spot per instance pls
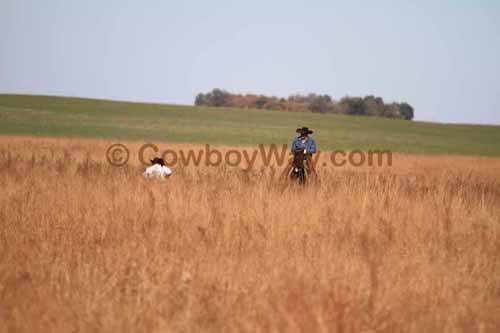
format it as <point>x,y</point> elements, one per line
<point>304,130</point>
<point>158,160</point>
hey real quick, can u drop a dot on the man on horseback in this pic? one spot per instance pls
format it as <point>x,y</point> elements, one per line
<point>304,142</point>
<point>304,146</point>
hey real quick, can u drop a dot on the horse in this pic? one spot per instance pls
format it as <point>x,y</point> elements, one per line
<point>298,172</point>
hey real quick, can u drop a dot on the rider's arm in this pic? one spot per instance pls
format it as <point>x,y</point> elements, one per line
<point>311,147</point>
<point>295,144</point>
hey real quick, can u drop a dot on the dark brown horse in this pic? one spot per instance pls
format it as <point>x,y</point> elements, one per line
<point>298,170</point>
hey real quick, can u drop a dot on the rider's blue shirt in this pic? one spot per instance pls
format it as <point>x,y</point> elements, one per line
<point>307,144</point>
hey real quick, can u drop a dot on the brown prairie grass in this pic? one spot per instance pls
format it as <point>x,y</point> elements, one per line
<point>89,247</point>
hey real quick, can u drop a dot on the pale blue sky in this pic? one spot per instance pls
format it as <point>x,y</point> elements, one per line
<point>440,56</point>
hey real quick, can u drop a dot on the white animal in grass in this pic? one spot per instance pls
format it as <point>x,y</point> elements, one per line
<point>158,169</point>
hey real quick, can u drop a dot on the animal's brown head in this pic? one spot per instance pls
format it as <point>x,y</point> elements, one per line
<point>298,159</point>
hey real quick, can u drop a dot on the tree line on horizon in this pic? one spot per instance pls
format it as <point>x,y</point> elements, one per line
<point>356,106</point>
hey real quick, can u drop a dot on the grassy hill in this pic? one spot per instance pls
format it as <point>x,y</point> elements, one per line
<point>76,117</point>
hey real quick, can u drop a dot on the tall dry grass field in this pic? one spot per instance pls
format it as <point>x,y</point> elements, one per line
<point>85,246</point>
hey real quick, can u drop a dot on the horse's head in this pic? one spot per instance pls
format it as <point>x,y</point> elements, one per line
<point>298,159</point>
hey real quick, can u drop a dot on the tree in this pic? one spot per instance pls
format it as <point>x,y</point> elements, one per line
<point>219,97</point>
<point>373,106</point>
<point>320,104</point>
<point>261,102</point>
<point>200,100</point>
<point>406,111</point>
<point>353,106</point>
<point>392,110</point>
<point>369,105</point>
